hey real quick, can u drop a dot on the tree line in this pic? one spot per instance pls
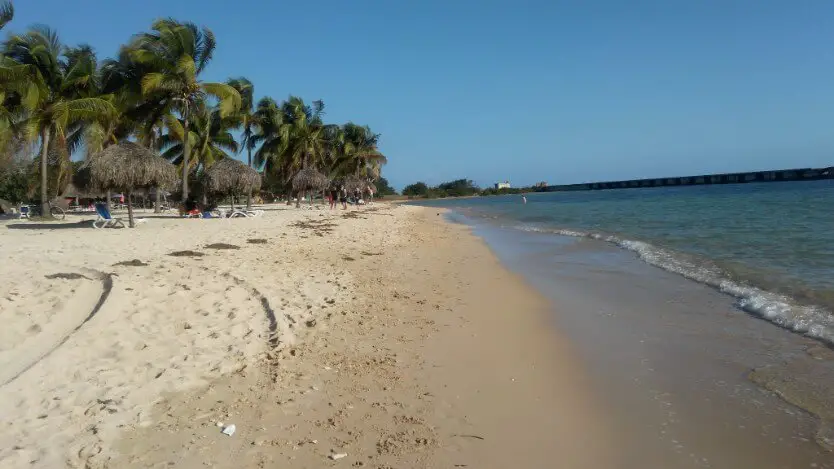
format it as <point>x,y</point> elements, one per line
<point>457,188</point>
<point>58,100</point>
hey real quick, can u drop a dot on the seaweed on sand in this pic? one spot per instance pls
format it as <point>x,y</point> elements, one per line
<point>186,254</point>
<point>131,263</point>
<point>222,246</point>
<point>67,276</point>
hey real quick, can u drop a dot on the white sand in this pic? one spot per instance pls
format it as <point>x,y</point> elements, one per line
<point>172,325</point>
<point>424,353</point>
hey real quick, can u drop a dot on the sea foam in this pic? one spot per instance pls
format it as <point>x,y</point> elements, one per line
<point>784,311</point>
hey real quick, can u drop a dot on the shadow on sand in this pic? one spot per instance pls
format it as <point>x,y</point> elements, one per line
<point>87,224</point>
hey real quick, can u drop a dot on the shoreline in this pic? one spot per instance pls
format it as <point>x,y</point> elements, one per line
<point>668,352</point>
<point>398,339</point>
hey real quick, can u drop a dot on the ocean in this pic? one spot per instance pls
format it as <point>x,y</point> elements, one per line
<point>769,245</point>
<point>703,315</point>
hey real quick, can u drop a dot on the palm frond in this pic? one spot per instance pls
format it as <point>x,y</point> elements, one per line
<point>206,50</point>
<point>6,13</point>
<point>175,127</point>
<point>228,97</point>
<point>187,68</point>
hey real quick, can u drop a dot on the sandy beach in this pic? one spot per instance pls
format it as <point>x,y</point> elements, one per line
<point>385,337</point>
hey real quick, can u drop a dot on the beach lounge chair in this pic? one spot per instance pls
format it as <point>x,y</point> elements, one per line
<point>246,213</point>
<point>105,220</point>
<point>24,211</point>
<point>252,213</point>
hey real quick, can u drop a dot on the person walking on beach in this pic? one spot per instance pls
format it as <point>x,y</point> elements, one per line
<point>343,197</point>
<point>334,197</point>
<point>370,191</point>
<point>524,199</point>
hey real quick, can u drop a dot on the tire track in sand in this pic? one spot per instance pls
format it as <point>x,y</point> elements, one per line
<point>69,320</point>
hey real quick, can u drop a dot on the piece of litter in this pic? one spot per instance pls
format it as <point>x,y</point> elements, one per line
<point>338,456</point>
<point>219,424</point>
<point>314,442</point>
<point>230,430</point>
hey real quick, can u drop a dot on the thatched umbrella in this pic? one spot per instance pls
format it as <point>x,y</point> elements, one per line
<point>357,183</point>
<point>307,180</point>
<point>230,177</point>
<point>126,167</point>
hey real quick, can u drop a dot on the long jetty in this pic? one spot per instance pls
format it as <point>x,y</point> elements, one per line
<point>782,175</point>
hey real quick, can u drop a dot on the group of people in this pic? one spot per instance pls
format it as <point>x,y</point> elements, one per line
<point>341,195</point>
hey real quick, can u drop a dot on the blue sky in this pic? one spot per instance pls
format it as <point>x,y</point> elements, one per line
<point>562,91</point>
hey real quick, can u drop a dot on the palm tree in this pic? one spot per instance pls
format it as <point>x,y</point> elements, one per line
<point>269,117</point>
<point>177,53</point>
<point>13,80</point>
<point>209,139</point>
<point>361,155</point>
<point>6,13</point>
<point>303,136</point>
<point>13,86</point>
<point>247,120</point>
<point>52,102</point>
<point>141,116</point>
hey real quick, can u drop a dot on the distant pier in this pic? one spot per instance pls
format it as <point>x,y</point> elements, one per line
<point>782,175</point>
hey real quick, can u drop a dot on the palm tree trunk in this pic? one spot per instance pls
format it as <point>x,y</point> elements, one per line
<point>44,167</point>
<point>249,195</point>
<point>130,210</point>
<point>185,151</point>
<point>157,203</point>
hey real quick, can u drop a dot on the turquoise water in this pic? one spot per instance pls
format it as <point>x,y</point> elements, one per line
<point>771,246</point>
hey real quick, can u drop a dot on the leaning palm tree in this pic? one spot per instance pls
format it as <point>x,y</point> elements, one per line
<point>247,119</point>
<point>178,53</point>
<point>52,105</point>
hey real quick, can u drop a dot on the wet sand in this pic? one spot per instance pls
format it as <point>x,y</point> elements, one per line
<point>688,379</point>
<point>387,338</point>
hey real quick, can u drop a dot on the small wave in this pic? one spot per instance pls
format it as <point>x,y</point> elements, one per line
<point>813,321</point>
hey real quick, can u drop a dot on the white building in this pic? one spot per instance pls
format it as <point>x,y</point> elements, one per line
<point>502,185</point>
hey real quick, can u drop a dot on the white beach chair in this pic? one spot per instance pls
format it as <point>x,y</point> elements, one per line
<point>237,213</point>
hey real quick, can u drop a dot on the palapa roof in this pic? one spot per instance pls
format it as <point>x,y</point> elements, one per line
<point>72,191</point>
<point>309,180</point>
<point>356,183</point>
<point>230,176</point>
<point>125,167</point>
